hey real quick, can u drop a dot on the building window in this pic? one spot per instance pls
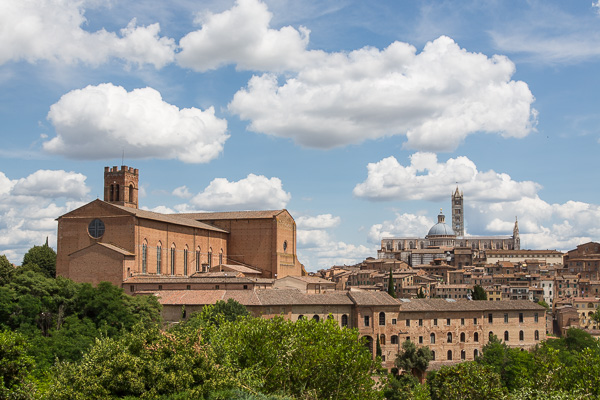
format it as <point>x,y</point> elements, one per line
<point>420,322</point>
<point>462,321</point>
<point>490,318</point>
<point>144,258</point>
<point>221,257</point>
<point>449,337</point>
<point>381,319</point>
<point>344,320</point>
<point>300,317</point>
<point>188,287</point>
<point>131,287</point>
<point>474,321</point>
<point>535,317</point>
<point>521,318</point>
<point>536,335</point>
<point>159,287</point>
<point>475,353</point>
<point>367,320</point>
<point>432,355</point>
<point>506,336</point>
<point>435,322</point>
<point>158,257</point>
<point>432,338</point>
<point>172,260</point>
<point>198,260</point>
<point>394,339</point>
<point>449,355</point>
<point>217,287</point>
<point>408,322</point>
<point>521,335</point>
<point>462,337</point>
<point>245,287</point>
<point>447,321</point>
<point>420,339</point>
<point>316,317</point>
<point>491,335</point>
<point>185,262</point>
<point>476,337</point>
<point>393,321</point>
<point>463,355</point>
<point>506,318</point>
<point>96,228</point>
<point>382,340</point>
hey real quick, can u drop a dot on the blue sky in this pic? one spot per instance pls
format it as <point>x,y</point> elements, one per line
<point>358,117</point>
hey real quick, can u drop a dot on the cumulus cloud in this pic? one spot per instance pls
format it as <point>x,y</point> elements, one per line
<point>491,203</point>
<point>334,253</point>
<point>34,30</point>
<point>436,98</point>
<point>322,221</point>
<point>96,122</point>
<point>425,178</point>
<point>30,205</point>
<point>242,36</point>
<point>255,192</point>
<point>182,192</point>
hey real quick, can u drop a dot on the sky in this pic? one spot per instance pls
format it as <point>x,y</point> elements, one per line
<point>360,118</point>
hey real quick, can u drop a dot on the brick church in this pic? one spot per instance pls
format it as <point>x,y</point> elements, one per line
<point>113,240</point>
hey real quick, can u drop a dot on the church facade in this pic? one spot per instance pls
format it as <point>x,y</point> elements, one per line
<point>113,240</point>
<point>445,238</point>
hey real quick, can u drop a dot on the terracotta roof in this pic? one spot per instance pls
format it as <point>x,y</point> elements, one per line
<point>178,219</point>
<point>186,279</point>
<point>207,216</point>
<point>242,268</point>
<point>295,297</point>
<point>372,298</point>
<point>468,305</point>
<point>311,279</point>
<point>490,252</point>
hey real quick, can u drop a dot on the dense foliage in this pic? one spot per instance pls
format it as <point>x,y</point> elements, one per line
<point>479,293</point>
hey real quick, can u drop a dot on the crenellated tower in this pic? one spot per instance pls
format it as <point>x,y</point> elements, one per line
<point>121,186</point>
<point>458,216</point>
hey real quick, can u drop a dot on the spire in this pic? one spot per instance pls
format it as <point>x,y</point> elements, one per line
<point>516,228</point>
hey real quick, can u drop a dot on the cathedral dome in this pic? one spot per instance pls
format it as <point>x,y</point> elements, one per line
<point>441,229</point>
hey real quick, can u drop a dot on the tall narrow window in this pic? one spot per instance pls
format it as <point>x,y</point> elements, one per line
<point>210,258</point>
<point>432,338</point>
<point>172,260</point>
<point>112,193</point>
<point>449,337</point>
<point>462,337</point>
<point>521,335</point>
<point>381,319</point>
<point>144,258</point>
<point>366,320</point>
<point>476,337</point>
<point>131,193</point>
<point>221,257</point>
<point>536,335</point>
<point>158,259</point>
<point>506,318</point>
<point>185,262</point>
<point>535,317</point>
<point>344,320</point>
<point>506,336</point>
<point>449,355</point>
<point>117,195</point>
<point>198,260</point>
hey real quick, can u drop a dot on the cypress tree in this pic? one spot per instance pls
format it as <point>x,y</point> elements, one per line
<point>391,290</point>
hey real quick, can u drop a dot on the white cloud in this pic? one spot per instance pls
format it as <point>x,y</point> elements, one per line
<point>30,205</point>
<point>255,192</point>
<point>322,221</point>
<point>96,122</point>
<point>334,253</point>
<point>182,192</point>
<point>242,36</point>
<point>311,239</point>
<point>436,98</point>
<point>34,30</point>
<point>428,179</point>
<point>402,225</point>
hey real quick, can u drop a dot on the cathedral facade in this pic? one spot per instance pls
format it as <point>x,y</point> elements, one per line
<point>443,238</point>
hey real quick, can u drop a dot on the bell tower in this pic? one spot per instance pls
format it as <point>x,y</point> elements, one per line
<point>121,186</point>
<point>458,216</point>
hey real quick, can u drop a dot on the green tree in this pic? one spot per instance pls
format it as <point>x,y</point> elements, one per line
<point>596,316</point>
<point>15,365</point>
<point>42,256</point>
<point>378,351</point>
<point>412,360</point>
<point>544,304</point>
<point>229,310</point>
<point>6,270</point>
<point>421,293</point>
<point>479,293</point>
<point>390,289</point>
<point>512,365</point>
<point>466,381</point>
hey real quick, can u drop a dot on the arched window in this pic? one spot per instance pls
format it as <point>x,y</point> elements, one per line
<point>536,335</point>
<point>209,258</point>
<point>145,257</point>
<point>432,338</point>
<point>475,353</point>
<point>158,257</point>
<point>490,335</point>
<point>381,318</point>
<point>432,355</point>
<point>506,336</point>
<point>463,355</point>
<point>131,193</point>
<point>449,355</point>
<point>221,257</point>
<point>300,317</point>
<point>382,339</point>
<point>476,337</point>
<point>462,337</point>
<point>112,193</point>
<point>198,261</point>
<point>422,245</point>
<point>394,339</point>
<point>344,320</point>
<point>316,317</point>
<point>521,335</point>
<point>411,245</point>
<point>449,337</point>
<point>185,260</point>
<point>173,259</point>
